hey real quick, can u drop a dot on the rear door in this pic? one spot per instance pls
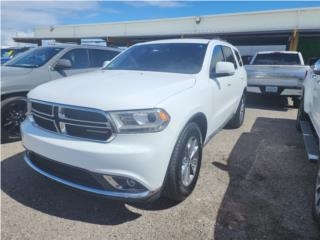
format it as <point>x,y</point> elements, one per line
<point>241,74</point>
<point>234,86</point>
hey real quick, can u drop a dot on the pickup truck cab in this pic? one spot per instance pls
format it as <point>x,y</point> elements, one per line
<point>37,66</point>
<point>308,121</point>
<point>135,129</point>
<point>280,73</point>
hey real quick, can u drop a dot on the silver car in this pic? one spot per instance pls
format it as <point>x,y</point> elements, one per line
<point>37,66</point>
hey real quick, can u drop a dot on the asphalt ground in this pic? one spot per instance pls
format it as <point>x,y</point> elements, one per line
<point>255,183</point>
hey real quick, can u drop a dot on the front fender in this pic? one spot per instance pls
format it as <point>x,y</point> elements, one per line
<point>182,107</point>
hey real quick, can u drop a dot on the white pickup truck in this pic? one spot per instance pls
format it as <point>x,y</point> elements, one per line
<point>308,121</point>
<point>280,73</point>
<point>135,129</point>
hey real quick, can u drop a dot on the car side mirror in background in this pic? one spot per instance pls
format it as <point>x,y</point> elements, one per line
<point>63,64</point>
<point>105,63</point>
<point>316,68</point>
<point>224,69</point>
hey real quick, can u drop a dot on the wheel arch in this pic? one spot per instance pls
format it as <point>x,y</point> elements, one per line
<point>200,119</point>
<point>15,94</point>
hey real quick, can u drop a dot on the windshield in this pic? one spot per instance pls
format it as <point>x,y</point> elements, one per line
<point>277,59</point>
<point>184,58</point>
<point>34,58</point>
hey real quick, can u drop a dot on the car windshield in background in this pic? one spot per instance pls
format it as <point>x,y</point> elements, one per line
<point>277,59</point>
<point>34,58</point>
<point>184,58</point>
<point>6,53</point>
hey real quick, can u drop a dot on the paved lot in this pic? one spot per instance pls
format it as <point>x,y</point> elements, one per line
<point>255,183</point>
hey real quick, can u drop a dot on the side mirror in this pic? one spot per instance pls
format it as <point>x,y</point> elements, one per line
<point>316,68</point>
<point>62,64</point>
<point>105,63</point>
<point>224,69</point>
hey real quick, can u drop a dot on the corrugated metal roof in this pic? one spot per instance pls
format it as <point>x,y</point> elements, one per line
<point>209,25</point>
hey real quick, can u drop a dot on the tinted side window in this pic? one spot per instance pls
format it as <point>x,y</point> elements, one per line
<point>217,56</point>
<point>78,57</point>
<point>97,56</point>
<point>239,58</point>
<point>229,56</point>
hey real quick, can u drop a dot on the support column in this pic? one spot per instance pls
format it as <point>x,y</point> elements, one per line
<point>294,41</point>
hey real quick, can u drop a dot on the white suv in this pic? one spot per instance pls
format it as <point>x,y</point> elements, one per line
<point>135,130</point>
<point>308,121</point>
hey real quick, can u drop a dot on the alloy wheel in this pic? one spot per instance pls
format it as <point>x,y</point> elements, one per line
<point>12,117</point>
<point>190,161</point>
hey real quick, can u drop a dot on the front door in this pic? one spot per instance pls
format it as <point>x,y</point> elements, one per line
<point>79,59</point>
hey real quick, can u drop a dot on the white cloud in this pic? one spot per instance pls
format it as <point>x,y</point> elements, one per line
<point>18,18</point>
<point>160,4</point>
<point>6,37</point>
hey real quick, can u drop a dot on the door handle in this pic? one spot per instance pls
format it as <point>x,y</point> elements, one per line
<point>229,84</point>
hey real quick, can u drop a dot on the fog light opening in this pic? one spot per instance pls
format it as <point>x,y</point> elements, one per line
<point>131,183</point>
<point>113,182</point>
<point>124,184</point>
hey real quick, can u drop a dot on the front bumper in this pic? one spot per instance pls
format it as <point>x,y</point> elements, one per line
<point>143,158</point>
<point>141,196</point>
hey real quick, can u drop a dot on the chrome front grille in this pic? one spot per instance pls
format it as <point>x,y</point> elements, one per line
<point>85,123</point>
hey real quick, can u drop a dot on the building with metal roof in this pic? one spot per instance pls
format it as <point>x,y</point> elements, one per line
<point>294,28</point>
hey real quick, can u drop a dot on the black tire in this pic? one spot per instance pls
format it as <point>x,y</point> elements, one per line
<point>13,112</point>
<point>301,116</point>
<point>316,204</point>
<point>296,102</point>
<point>238,118</point>
<point>175,187</point>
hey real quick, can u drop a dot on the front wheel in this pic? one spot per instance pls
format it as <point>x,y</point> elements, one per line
<point>184,166</point>
<point>13,112</point>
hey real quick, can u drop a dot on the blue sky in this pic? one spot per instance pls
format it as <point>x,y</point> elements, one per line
<point>120,11</point>
<point>18,18</point>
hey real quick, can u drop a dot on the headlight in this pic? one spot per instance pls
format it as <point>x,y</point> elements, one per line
<point>140,121</point>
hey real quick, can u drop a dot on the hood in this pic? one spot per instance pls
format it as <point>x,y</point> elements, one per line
<point>114,89</point>
<point>14,71</point>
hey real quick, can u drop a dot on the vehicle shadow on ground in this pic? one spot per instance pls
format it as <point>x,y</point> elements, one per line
<point>270,192</point>
<point>267,102</point>
<point>35,191</point>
